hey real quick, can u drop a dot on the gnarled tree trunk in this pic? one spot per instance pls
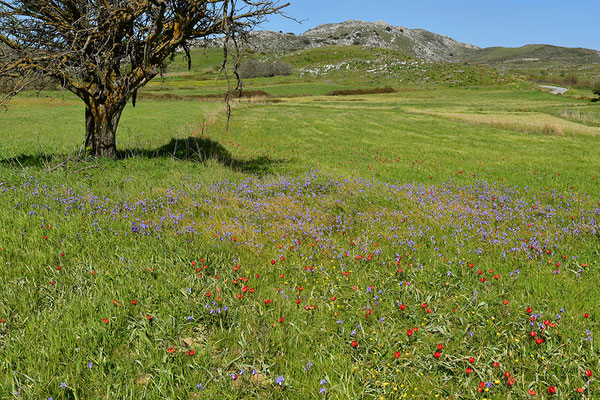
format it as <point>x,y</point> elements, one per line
<point>101,123</point>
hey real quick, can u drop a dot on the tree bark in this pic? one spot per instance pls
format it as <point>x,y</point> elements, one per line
<point>101,127</point>
<point>89,127</point>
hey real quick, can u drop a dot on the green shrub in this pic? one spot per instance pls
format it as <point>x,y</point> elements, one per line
<point>353,92</point>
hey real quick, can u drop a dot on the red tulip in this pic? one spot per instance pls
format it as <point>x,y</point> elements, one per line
<point>552,390</point>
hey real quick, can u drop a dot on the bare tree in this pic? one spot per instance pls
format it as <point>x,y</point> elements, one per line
<point>105,50</point>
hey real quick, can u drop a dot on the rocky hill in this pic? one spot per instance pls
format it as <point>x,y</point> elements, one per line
<point>420,43</point>
<point>425,45</point>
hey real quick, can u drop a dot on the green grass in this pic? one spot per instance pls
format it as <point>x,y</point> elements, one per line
<point>337,54</point>
<point>349,198</point>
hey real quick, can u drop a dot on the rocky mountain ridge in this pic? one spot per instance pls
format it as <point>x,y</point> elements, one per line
<point>419,43</point>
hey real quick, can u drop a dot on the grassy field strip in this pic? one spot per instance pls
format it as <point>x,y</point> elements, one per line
<point>521,122</point>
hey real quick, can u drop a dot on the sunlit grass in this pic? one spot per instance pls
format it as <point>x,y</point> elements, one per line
<point>263,252</point>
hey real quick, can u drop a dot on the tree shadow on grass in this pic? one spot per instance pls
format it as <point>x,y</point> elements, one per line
<point>202,149</point>
<point>28,160</point>
<point>191,149</point>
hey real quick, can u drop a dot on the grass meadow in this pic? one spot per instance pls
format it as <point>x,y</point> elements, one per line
<point>438,242</point>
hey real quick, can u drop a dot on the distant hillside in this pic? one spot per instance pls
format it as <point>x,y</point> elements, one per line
<point>419,43</point>
<point>535,53</point>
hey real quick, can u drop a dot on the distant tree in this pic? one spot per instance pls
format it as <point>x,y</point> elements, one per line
<point>597,90</point>
<point>260,69</point>
<point>104,51</point>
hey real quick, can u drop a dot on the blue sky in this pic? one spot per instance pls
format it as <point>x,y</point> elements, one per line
<point>573,23</point>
